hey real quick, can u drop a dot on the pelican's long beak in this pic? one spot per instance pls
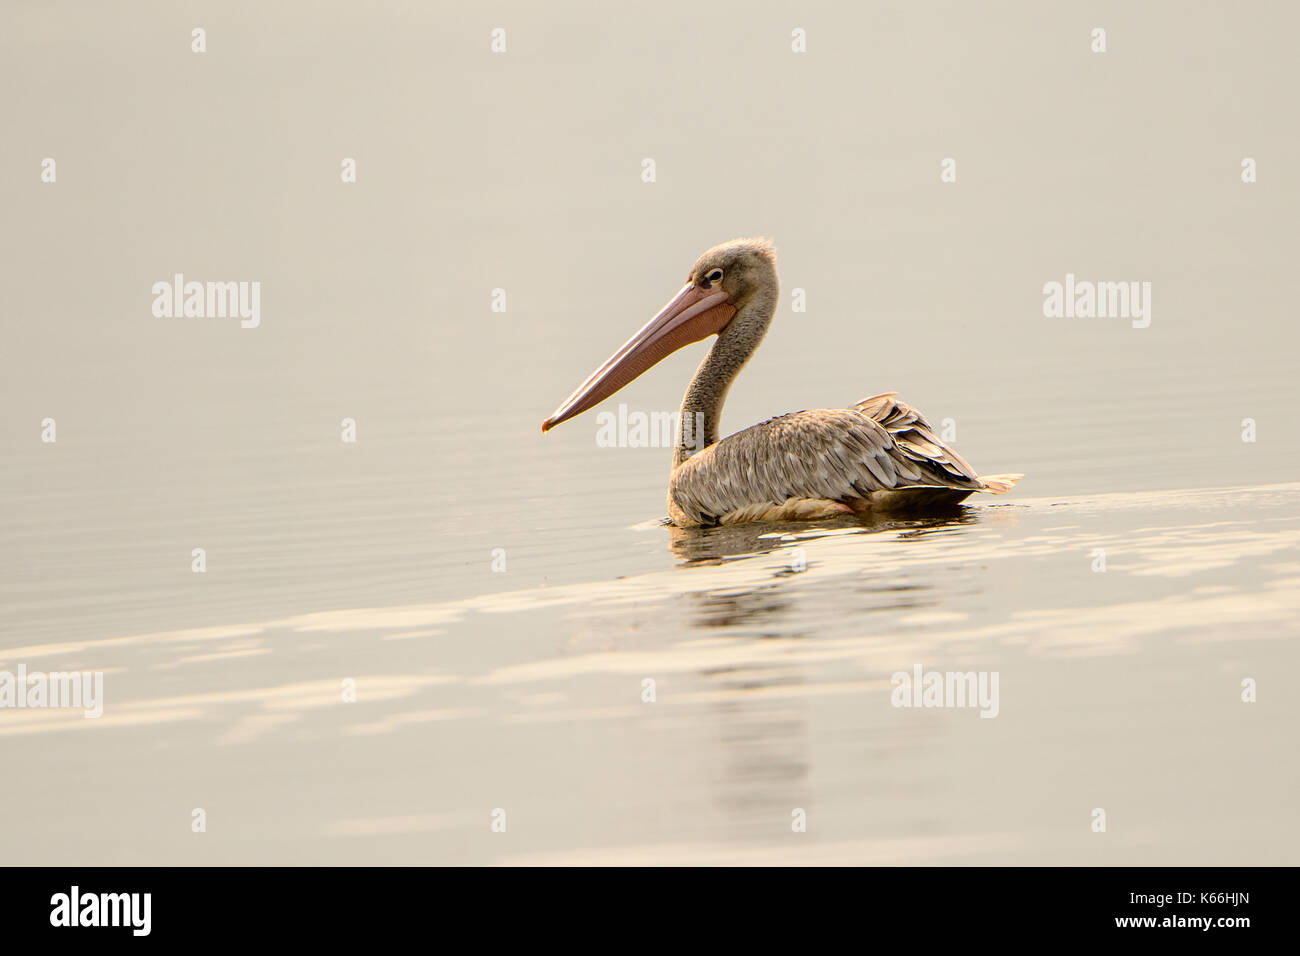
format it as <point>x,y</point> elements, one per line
<point>693,314</point>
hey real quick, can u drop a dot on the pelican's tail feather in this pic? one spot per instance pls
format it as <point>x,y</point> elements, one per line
<point>999,484</point>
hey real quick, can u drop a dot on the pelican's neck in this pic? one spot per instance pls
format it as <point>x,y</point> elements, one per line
<point>701,414</point>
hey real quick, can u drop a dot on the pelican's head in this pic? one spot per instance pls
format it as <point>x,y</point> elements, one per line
<point>723,282</point>
<point>742,268</point>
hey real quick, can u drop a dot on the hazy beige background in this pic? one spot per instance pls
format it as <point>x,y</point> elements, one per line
<point>522,171</point>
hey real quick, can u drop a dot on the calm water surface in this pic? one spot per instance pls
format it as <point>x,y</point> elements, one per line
<point>771,648</point>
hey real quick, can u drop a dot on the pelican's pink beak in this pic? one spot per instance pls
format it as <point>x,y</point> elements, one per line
<point>693,314</point>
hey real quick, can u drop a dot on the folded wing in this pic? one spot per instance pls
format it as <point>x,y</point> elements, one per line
<point>840,454</point>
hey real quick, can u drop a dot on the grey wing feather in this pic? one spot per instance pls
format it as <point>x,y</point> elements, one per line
<point>914,435</point>
<point>841,454</point>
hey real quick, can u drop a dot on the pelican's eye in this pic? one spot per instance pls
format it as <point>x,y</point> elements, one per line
<point>714,276</point>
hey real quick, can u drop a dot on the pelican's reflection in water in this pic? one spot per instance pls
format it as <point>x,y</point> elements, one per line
<point>714,545</point>
<point>750,608</point>
<point>761,712</point>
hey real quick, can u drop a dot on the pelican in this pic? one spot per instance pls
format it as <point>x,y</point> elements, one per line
<point>879,456</point>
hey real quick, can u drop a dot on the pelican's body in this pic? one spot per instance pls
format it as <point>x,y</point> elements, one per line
<point>879,455</point>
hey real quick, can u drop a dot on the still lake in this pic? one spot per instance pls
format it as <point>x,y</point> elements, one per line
<point>497,598</point>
